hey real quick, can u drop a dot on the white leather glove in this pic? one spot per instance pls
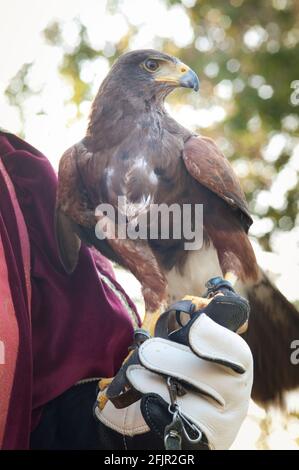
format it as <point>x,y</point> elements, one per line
<point>216,372</point>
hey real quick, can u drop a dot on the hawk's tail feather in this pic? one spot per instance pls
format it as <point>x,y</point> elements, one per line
<point>273,327</point>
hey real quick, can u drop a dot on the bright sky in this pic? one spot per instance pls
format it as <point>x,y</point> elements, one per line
<point>21,24</point>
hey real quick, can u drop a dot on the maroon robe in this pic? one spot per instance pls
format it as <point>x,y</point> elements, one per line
<point>55,328</point>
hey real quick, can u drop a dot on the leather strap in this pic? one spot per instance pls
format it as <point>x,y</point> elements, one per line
<point>184,306</point>
<point>120,391</point>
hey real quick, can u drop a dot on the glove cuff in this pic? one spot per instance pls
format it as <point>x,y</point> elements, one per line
<point>126,421</point>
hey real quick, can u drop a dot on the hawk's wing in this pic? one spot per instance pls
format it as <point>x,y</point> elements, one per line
<point>205,162</point>
<point>75,221</point>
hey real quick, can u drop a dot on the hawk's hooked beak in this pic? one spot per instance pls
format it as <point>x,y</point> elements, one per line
<point>178,74</point>
<point>190,80</point>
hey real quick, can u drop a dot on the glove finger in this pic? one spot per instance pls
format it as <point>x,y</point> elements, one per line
<point>219,423</point>
<point>213,342</point>
<point>175,360</point>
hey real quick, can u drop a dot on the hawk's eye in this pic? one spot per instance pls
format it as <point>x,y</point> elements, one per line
<point>151,65</point>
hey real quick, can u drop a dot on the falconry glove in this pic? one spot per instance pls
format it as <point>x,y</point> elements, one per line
<point>193,395</point>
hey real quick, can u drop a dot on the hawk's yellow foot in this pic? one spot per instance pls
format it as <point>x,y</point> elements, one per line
<point>199,302</point>
<point>150,320</point>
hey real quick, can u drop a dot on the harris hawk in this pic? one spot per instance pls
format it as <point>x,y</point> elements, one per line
<point>134,149</point>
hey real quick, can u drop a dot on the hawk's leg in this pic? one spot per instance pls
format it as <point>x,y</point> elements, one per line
<point>150,320</point>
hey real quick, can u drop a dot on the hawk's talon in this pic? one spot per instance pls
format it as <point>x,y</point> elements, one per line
<point>104,383</point>
<point>102,398</point>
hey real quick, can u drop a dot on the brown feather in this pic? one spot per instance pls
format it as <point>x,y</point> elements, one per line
<point>209,167</point>
<point>273,326</point>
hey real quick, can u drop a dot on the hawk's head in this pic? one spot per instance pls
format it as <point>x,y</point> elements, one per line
<point>150,73</point>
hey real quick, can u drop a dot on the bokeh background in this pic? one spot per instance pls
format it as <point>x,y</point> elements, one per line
<point>55,53</point>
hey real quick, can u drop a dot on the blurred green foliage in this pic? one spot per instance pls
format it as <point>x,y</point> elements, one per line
<point>249,49</point>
